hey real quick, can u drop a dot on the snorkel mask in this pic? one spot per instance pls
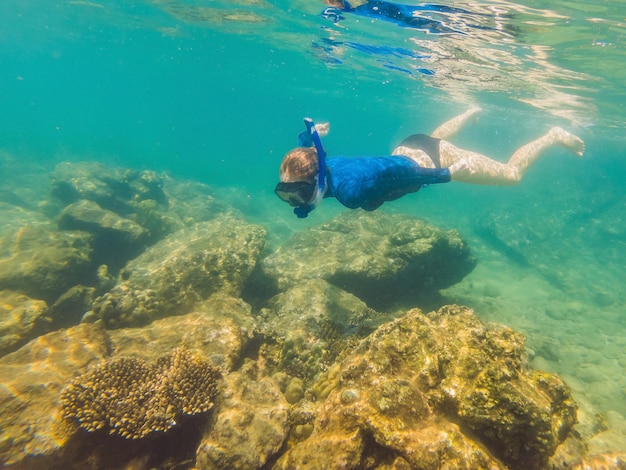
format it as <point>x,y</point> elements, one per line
<point>301,194</point>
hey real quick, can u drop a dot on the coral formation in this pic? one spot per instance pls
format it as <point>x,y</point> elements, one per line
<point>132,398</point>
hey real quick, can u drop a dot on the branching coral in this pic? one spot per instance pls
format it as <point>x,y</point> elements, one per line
<point>133,399</point>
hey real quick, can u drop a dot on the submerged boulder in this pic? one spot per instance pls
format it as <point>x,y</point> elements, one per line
<point>116,239</point>
<point>382,259</point>
<point>44,263</point>
<point>157,203</point>
<point>310,325</point>
<point>114,189</point>
<point>426,391</point>
<point>19,318</point>
<point>249,425</point>
<point>184,268</point>
<point>219,328</point>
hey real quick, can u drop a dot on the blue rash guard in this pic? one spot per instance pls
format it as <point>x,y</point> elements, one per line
<point>368,182</point>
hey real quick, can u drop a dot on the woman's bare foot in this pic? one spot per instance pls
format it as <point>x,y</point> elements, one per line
<point>473,110</point>
<point>570,141</point>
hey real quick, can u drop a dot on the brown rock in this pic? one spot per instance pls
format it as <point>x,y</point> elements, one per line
<point>414,388</point>
<point>187,267</point>
<point>329,320</point>
<point>249,424</point>
<point>219,328</point>
<point>43,263</point>
<point>19,315</point>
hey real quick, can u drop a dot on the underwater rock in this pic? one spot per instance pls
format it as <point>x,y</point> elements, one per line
<point>158,203</point>
<point>192,202</point>
<point>382,259</point>
<point>14,217</point>
<point>181,270</point>
<point>116,239</point>
<point>31,380</point>
<point>132,398</point>
<point>135,195</point>
<point>19,317</point>
<point>608,461</point>
<point>69,308</point>
<point>249,425</point>
<point>310,324</point>
<point>433,389</point>
<point>219,328</point>
<point>44,263</point>
<point>114,189</point>
<point>33,377</point>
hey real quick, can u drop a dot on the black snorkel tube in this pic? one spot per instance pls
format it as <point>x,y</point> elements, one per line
<point>303,211</point>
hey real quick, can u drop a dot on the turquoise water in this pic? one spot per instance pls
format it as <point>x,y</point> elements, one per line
<point>216,92</point>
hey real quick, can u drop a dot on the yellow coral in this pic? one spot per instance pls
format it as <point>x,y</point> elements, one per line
<point>132,398</point>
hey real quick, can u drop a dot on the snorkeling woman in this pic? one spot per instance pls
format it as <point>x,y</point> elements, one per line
<point>306,176</point>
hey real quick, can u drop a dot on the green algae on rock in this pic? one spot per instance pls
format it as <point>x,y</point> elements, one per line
<point>438,389</point>
<point>382,259</point>
<point>184,268</point>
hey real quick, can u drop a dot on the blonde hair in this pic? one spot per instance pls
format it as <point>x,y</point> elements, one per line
<point>300,164</point>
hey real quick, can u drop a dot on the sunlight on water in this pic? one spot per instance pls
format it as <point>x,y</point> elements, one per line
<point>506,48</point>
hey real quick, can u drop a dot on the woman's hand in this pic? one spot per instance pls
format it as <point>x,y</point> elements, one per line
<point>323,128</point>
<point>459,169</point>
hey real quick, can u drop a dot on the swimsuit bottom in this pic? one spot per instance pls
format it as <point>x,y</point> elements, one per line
<point>425,143</point>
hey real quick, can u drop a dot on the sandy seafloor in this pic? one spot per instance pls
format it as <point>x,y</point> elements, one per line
<point>222,108</point>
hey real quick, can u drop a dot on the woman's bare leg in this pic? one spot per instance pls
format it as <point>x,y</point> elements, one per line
<point>449,129</point>
<point>527,154</point>
<point>484,170</point>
